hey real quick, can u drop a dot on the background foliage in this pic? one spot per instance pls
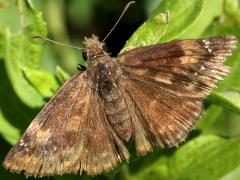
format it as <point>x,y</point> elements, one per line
<point>30,73</point>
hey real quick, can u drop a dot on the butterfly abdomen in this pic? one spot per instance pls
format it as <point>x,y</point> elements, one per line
<point>115,108</point>
<point>118,115</point>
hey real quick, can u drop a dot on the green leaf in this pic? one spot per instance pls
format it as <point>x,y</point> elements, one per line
<point>229,99</point>
<point>9,13</point>
<point>62,76</point>
<point>22,51</point>
<point>206,157</point>
<point>185,16</point>
<point>232,9</point>
<point>210,10</point>
<point>33,22</point>
<point>14,115</point>
<point>235,174</point>
<point>9,132</point>
<point>2,45</point>
<point>44,82</point>
<point>209,117</point>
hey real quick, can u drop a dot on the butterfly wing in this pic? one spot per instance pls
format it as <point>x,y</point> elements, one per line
<point>166,83</point>
<point>69,135</point>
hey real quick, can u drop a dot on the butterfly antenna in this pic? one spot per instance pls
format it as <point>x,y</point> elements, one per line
<point>120,17</point>
<point>55,42</point>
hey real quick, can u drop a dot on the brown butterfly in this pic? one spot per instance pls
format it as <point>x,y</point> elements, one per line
<point>150,95</point>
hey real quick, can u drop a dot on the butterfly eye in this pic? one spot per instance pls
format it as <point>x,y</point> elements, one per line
<point>81,67</point>
<point>85,56</point>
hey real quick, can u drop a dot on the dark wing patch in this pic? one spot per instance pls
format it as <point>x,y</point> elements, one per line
<point>69,135</point>
<point>166,84</point>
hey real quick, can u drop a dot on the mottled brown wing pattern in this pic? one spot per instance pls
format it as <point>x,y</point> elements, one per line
<point>166,83</point>
<point>69,135</point>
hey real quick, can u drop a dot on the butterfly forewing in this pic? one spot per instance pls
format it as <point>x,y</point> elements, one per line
<point>189,68</point>
<point>69,135</point>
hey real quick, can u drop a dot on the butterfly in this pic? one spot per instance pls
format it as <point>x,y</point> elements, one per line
<point>149,95</point>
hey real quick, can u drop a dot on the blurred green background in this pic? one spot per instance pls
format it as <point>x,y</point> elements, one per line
<point>32,70</point>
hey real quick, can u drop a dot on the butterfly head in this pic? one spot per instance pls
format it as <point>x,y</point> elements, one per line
<point>93,50</point>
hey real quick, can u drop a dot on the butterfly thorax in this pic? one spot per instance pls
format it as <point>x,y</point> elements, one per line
<point>105,75</point>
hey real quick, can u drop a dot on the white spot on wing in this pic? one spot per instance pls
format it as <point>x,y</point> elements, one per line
<point>22,143</point>
<point>207,45</point>
<point>205,41</point>
<point>209,50</point>
<point>54,148</point>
